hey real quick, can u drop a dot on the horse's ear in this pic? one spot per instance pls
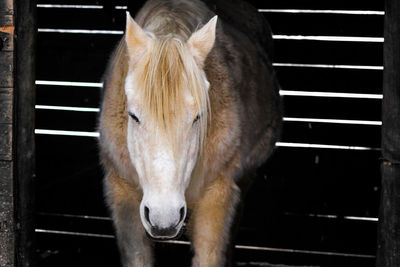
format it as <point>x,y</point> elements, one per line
<point>202,41</point>
<point>135,37</point>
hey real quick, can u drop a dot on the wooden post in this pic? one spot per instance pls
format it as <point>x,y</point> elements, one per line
<point>388,254</point>
<point>24,135</point>
<point>17,36</point>
<point>7,204</point>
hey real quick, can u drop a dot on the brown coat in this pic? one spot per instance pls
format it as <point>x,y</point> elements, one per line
<point>243,128</point>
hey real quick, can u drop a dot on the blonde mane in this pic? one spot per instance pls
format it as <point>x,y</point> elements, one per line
<point>165,73</point>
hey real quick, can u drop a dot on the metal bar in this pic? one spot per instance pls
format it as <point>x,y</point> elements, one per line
<point>329,66</point>
<point>243,247</point>
<point>323,11</point>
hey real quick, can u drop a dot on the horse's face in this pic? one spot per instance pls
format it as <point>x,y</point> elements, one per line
<point>164,135</point>
<point>164,167</point>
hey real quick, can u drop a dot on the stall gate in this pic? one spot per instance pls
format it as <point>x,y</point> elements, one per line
<point>317,198</point>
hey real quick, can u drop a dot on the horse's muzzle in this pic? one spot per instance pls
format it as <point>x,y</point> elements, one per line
<point>166,233</point>
<point>157,230</point>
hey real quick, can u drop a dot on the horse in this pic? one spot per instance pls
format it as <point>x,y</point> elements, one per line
<point>190,110</point>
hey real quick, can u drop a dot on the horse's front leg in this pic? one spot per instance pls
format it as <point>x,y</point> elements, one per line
<point>211,222</point>
<point>124,201</point>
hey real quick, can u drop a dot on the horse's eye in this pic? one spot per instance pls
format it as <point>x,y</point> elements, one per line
<point>133,116</point>
<point>196,119</point>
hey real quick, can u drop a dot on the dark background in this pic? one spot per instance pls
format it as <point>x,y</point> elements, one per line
<point>308,207</point>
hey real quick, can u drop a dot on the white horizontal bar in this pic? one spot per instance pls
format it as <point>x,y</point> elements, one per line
<point>330,66</point>
<point>89,217</point>
<point>276,37</point>
<point>312,11</point>
<point>84,31</point>
<point>278,144</point>
<point>64,108</point>
<point>67,133</point>
<point>301,251</point>
<point>102,218</point>
<point>329,38</point>
<point>329,94</point>
<point>70,6</point>
<point>291,119</point>
<point>66,83</point>
<point>331,216</point>
<point>304,145</point>
<point>337,121</point>
<point>77,6</point>
<point>72,233</point>
<point>321,11</point>
<point>245,247</point>
<point>356,218</point>
<point>282,92</point>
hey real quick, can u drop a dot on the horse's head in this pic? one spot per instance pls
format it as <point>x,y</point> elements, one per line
<point>167,104</point>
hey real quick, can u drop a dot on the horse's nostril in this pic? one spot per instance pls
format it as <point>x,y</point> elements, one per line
<point>147,214</point>
<point>182,214</point>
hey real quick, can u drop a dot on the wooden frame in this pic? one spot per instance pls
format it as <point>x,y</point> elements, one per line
<point>389,219</point>
<point>17,91</point>
<point>17,135</point>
